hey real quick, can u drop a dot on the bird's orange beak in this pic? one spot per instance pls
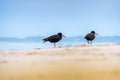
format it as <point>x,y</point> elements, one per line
<point>63,35</point>
<point>96,33</point>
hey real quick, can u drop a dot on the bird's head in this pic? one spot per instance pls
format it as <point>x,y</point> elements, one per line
<point>60,34</point>
<point>94,32</point>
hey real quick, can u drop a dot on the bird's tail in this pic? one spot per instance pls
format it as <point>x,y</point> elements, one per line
<point>44,40</point>
<point>85,37</point>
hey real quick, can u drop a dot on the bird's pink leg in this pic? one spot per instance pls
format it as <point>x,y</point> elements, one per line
<point>54,45</point>
<point>88,42</point>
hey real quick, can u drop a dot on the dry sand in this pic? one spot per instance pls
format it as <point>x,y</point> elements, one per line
<point>98,62</point>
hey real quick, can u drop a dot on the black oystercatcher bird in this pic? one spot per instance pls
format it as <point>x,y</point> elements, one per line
<point>90,37</point>
<point>54,38</point>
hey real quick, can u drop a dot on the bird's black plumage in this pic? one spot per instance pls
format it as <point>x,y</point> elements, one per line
<point>54,38</point>
<point>90,37</point>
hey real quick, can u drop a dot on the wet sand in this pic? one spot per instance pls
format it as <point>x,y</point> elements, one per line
<point>82,62</point>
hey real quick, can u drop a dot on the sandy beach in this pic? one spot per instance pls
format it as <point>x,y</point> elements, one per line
<point>82,62</point>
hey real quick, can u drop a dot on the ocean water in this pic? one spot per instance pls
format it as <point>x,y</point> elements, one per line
<point>36,43</point>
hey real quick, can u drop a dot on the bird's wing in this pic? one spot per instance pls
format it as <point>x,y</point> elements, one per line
<point>87,36</point>
<point>53,37</point>
<point>90,36</point>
